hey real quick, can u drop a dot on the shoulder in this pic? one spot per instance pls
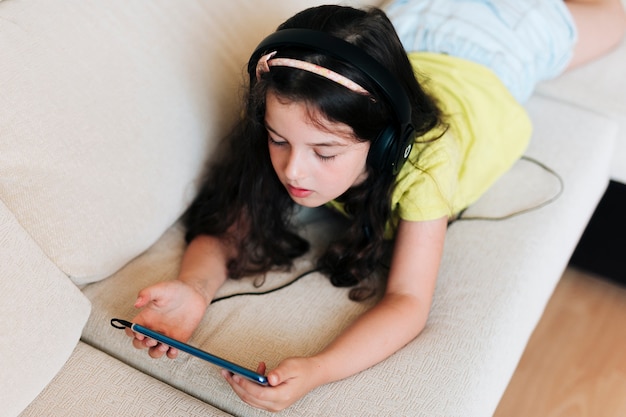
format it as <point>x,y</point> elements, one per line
<point>426,185</point>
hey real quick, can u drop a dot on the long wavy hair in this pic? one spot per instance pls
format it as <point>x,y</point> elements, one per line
<point>242,199</point>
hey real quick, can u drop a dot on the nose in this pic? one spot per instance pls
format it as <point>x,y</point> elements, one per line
<point>295,166</point>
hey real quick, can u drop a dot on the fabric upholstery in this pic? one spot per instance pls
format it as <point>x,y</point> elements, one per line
<point>116,123</point>
<point>42,314</point>
<point>113,389</point>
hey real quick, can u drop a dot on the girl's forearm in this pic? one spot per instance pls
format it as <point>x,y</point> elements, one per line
<point>391,324</point>
<point>203,266</point>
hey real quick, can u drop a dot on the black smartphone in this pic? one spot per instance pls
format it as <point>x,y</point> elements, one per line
<point>184,347</point>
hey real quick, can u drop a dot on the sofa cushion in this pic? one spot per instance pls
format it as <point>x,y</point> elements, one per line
<point>114,389</point>
<point>495,280</point>
<point>109,110</point>
<point>42,314</point>
<point>104,124</point>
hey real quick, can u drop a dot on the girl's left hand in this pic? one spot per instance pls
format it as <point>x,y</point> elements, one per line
<point>289,382</point>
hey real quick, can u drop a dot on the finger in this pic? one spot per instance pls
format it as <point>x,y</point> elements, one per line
<point>287,370</point>
<point>143,298</point>
<point>261,368</point>
<point>145,343</point>
<point>238,384</point>
<point>158,351</point>
<point>138,344</point>
<point>153,294</point>
<point>172,353</point>
<point>130,333</point>
<point>277,377</point>
<point>148,342</point>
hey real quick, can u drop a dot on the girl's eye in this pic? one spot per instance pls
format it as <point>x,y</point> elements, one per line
<point>325,157</point>
<point>275,142</point>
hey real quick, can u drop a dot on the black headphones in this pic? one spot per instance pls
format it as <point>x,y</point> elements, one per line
<point>393,145</point>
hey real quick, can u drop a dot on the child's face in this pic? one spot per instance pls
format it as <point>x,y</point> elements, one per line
<point>316,163</point>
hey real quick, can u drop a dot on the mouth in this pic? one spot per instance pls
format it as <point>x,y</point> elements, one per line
<point>298,192</point>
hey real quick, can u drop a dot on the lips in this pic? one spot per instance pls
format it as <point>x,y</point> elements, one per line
<point>298,192</point>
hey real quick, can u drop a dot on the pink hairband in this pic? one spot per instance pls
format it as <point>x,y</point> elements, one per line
<point>267,61</point>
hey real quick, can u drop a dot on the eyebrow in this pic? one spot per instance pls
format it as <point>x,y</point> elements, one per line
<point>329,144</point>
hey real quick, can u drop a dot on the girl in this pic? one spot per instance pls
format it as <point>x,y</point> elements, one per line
<point>324,125</point>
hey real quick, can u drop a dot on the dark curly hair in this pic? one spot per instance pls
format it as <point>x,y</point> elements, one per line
<point>242,198</point>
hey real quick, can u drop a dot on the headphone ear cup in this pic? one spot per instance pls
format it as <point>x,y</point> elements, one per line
<point>402,149</point>
<point>380,152</point>
<point>388,152</point>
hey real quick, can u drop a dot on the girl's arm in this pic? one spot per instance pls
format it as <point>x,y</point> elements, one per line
<point>393,322</point>
<point>176,307</point>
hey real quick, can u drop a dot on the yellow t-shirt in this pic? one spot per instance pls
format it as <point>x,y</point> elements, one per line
<point>488,131</point>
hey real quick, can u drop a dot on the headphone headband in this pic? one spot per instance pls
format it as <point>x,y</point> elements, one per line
<point>343,51</point>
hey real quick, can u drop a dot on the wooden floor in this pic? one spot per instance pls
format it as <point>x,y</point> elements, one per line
<point>575,362</point>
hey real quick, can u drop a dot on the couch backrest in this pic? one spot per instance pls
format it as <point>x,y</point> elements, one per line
<point>109,111</point>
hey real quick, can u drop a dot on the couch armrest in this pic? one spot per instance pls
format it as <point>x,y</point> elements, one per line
<point>42,313</point>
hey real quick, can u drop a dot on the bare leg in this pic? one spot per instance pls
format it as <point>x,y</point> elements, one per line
<point>601,26</point>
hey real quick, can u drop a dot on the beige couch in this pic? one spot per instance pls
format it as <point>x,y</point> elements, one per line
<point>108,111</point>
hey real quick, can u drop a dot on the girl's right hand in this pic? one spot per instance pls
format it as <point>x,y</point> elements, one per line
<point>173,308</point>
